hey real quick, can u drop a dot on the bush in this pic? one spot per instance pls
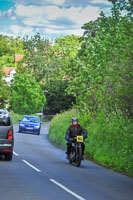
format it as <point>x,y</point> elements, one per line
<point>109,140</point>
<point>58,127</point>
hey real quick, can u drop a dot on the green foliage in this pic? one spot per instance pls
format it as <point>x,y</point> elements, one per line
<point>7,60</point>
<point>108,143</point>
<point>101,78</point>
<point>62,54</point>
<point>9,46</point>
<point>15,117</point>
<point>58,127</point>
<point>103,72</point>
<point>4,91</point>
<point>36,56</point>
<point>66,49</point>
<point>57,98</point>
<point>27,95</point>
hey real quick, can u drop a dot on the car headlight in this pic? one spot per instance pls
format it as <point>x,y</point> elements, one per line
<point>37,126</point>
<point>21,124</point>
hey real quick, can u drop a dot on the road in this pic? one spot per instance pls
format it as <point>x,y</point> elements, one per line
<point>39,171</point>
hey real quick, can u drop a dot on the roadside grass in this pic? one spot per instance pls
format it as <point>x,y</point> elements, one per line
<point>58,127</point>
<point>109,142</point>
<point>15,117</point>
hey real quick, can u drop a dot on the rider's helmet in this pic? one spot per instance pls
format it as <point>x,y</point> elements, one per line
<point>74,119</point>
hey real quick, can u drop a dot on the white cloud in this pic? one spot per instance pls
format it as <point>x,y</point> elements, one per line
<point>74,32</point>
<point>83,15</point>
<point>35,15</point>
<point>55,2</point>
<point>50,19</point>
<point>9,11</point>
<point>35,21</point>
<point>15,29</point>
<point>28,11</point>
<point>105,2</point>
<point>51,31</point>
<point>64,32</point>
<point>19,30</point>
<point>13,18</point>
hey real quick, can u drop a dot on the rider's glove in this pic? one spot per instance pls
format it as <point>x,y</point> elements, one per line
<point>85,136</point>
<point>67,137</point>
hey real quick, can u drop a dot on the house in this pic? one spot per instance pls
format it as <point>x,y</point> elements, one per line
<point>9,71</point>
<point>18,57</point>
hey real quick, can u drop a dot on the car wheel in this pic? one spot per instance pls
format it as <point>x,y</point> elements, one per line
<point>38,133</point>
<point>8,157</point>
<point>19,130</point>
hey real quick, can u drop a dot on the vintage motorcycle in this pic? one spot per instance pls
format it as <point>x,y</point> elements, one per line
<point>76,150</point>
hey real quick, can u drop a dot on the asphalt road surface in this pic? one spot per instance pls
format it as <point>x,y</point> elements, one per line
<point>40,171</point>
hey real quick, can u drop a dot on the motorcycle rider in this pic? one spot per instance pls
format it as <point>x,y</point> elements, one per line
<point>74,130</point>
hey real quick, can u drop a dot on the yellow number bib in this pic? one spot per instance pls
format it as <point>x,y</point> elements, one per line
<point>79,138</point>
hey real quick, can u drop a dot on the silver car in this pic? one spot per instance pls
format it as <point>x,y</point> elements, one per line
<point>6,135</point>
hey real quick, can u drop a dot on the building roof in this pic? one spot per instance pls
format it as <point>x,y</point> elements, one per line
<point>8,70</point>
<point>18,57</point>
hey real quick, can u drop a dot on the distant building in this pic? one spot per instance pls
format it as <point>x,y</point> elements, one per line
<point>10,71</point>
<point>18,57</point>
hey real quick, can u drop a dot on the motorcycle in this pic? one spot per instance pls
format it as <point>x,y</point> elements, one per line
<point>76,150</point>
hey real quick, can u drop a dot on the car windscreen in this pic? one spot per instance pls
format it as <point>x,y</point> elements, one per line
<point>30,119</point>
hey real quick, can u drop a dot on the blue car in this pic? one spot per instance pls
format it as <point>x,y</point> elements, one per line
<point>30,124</point>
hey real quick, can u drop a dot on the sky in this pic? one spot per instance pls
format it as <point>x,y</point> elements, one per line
<point>50,18</point>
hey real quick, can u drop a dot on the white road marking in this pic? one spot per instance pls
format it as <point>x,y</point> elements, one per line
<point>15,153</point>
<point>67,190</point>
<point>38,170</point>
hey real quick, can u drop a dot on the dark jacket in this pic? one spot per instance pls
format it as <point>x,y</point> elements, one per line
<point>75,130</point>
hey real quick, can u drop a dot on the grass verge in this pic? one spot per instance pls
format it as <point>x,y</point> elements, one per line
<point>109,142</point>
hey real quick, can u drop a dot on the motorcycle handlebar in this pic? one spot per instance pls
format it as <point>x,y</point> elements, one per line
<point>74,139</point>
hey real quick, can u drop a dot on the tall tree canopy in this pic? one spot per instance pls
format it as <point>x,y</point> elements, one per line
<point>27,95</point>
<point>103,72</point>
<point>9,46</point>
<point>36,56</point>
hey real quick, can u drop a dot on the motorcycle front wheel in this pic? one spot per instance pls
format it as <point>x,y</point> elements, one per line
<point>79,157</point>
<point>72,156</point>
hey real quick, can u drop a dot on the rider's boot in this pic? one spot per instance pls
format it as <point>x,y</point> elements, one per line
<point>67,157</point>
<point>82,154</point>
<point>82,157</point>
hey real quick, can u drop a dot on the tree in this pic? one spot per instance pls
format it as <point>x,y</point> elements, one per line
<point>27,96</point>
<point>103,72</point>
<point>62,55</point>
<point>36,56</point>
<point>57,98</point>
<point>9,46</point>
<point>4,91</point>
<point>66,49</point>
